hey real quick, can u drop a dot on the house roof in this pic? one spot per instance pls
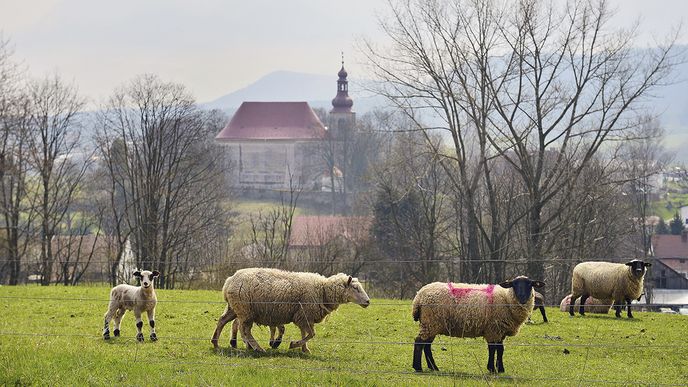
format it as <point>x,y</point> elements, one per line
<point>273,121</point>
<point>670,246</point>
<point>318,230</point>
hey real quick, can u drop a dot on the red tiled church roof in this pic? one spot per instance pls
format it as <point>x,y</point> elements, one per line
<point>273,121</point>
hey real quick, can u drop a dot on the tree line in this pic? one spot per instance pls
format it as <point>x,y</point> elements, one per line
<point>141,173</point>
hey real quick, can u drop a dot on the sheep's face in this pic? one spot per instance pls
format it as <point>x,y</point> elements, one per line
<point>146,277</point>
<point>522,287</point>
<point>638,267</point>
<point>355,292</point>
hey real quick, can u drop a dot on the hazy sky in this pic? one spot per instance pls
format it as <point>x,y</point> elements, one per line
<point>217,46</point>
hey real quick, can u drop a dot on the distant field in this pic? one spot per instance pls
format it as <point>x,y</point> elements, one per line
<point>660,207</point>
<point>52,336</point>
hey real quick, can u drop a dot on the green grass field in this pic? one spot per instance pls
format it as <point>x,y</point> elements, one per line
<point>52,336</point>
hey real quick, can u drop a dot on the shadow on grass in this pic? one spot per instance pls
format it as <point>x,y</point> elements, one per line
<point>608,317</point>
<point>486,376</point>
<point>270,353</point>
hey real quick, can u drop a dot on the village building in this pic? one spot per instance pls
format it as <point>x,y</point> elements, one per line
<point>283,145</point>
<point>669,273</point>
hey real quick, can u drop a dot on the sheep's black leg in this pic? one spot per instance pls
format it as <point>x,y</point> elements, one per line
<point>151,322</point>
<point>139,325</point>
<point>617,307</point>
<point>500,353</point>
<point>628,303</point>
<point>106,329</point>
<point>544,316</point>
<point>584,298</point>
<point>491,349</point>
<point>417,353</point>
<point>428,355</point>
<point>572,301</point>
<point>153,336</point>
<point>275,343</point>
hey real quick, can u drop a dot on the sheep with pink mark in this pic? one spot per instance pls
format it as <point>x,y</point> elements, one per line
<point>470,310</point>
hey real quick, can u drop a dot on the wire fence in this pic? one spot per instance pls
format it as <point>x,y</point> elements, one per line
<point>401,303</point>
<point>381,370</point>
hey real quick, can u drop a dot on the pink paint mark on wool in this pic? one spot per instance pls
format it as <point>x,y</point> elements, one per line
<point>459,293</point>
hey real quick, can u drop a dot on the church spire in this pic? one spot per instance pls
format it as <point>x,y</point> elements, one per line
<point>342,103</point>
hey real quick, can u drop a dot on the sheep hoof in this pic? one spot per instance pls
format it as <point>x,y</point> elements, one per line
<point>153,337</point>
<point>214,343</point>
<point>274,344</point>
<point>418,369</point>
<point>116,332</point>
<point>106,336</point>
<point>293,345</point>
<point>232,343</point>
<point>500,369</point>
<point>139,337</point>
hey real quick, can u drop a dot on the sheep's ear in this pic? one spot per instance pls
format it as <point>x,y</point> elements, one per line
<point>155,274</point>
<point>538,284</point>
<point>629,263</point>
<point>506,284</point>
<point>648,264</point>
<point>137,274</point>
<point>349,281</point>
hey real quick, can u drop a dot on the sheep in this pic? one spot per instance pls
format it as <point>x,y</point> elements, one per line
<point>592,305</point>
<point>469,310</point>
<point>137,298</point>
<point>620,282</point>
<point>539,304</point>
<point>274,343</point>
<point>275,297</point>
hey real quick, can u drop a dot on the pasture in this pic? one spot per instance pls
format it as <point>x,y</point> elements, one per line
<point>52,335</point>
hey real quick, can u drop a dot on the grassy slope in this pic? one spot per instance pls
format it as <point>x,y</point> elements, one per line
<point>46,341</point>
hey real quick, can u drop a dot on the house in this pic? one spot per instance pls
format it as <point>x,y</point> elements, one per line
<point>315,231</point>
<point>82,258</point>
<point>280,145</point>
<point>669,273</point>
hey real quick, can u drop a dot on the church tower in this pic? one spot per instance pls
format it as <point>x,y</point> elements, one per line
<point>342,118</point>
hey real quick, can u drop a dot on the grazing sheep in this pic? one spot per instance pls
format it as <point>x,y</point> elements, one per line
<point>620,282</point>
<point>137,298</point>
<point>274,343</point>
<point>592,305</point>
<point>275,297</point>
<point>469,310</point>
<point>539,304</point>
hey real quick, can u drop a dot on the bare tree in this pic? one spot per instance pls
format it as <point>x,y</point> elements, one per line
<point>271,230</point>
<point>543,86</point>
<point>165,172</point>
<point>411,201</point>
<point>56,158</point>
<point>17,210</point>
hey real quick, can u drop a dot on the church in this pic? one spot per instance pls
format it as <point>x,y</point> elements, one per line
<point>279,145</point>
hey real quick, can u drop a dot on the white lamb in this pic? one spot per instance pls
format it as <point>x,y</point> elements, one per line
<point>137,298</point>
<point>469,310</point>
<point>275,297</point>
<point>620,282</point>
